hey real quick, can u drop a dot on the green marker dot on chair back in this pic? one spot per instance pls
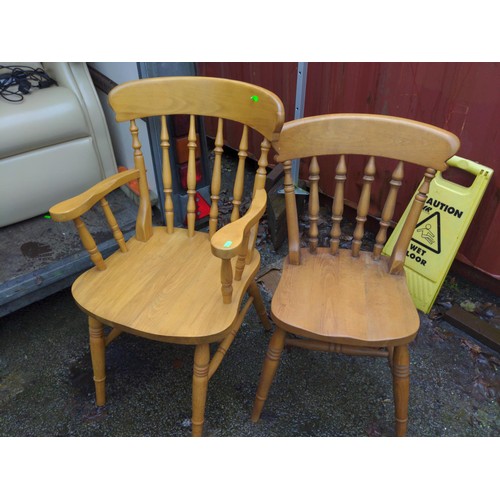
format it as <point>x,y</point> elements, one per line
<point>255,98</point>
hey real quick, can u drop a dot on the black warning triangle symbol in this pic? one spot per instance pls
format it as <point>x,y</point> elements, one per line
<point>428,233</point>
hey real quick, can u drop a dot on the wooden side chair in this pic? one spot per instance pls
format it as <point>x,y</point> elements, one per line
<point>341,300</point>
<point>168,283</point>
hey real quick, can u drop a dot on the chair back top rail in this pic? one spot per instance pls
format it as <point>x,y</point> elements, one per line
<point>371,135</point>
<point>243,102</point>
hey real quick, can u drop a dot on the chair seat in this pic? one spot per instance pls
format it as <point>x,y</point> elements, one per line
<point>343,299</point>
<point>164,289</point>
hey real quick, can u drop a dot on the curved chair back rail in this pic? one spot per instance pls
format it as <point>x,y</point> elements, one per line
<point>243,102</point>
<point>364,134</point>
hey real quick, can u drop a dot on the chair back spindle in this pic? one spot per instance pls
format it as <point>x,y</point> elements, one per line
<point>291,215</point>
<point>363,206</point>
<point>144,223</point>
<point>191,176</point>
<point>338,205</point>
<point>313,204</point>
<point>261,174</point>
<point>216,178</point>
<point>167,175</point>
<point>388,210</point>
<point>240,175</point>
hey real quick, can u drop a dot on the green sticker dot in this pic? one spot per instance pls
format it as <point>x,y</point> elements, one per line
<point>255,98</point>
<point>228,244</point>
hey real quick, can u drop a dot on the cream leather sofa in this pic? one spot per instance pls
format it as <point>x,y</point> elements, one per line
<point>53,145</point>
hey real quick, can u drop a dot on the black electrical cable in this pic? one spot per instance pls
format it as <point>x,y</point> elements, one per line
<point>24,78</point>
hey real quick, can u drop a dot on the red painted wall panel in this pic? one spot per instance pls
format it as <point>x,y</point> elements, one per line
<point>278,77</point>
<point>461,97</point>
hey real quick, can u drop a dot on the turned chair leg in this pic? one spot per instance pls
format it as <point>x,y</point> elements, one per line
<point>97,354</point>
<point>254,291</point>
<point>200,385</point>
<point>401,382</point>
<point>269,368</point>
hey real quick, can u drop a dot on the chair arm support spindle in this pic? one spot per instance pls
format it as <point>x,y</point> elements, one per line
<point>89,244</point>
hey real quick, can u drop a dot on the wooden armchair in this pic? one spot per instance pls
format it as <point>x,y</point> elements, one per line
<point>342,300</point>
<point>168,283</point>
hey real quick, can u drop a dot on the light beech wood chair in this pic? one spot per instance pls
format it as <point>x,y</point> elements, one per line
<point>341,300</point>
<point>168,283</point>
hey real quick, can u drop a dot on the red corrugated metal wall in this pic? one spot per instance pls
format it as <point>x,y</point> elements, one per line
<point>461,97</point>
<point>278,77</point>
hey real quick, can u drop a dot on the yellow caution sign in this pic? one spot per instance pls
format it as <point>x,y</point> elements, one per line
<point>445,218</point>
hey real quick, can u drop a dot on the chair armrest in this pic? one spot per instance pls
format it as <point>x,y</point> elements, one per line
<point>227,241</point>
<point>78,205</point>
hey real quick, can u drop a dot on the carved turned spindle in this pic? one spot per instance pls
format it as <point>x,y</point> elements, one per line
<point>291,215</point>
<point>144,222</point>
<point>240,262</point>
<point>261,174</point>
<point>319,345</point>
<point>167,176</point>
<point>117,234</point>
<point>388,210</point>
<point>259,183</point>
<point>216,178</point>
<point>363,206</point>
<point>240,175</point>
<point>338,205</point>
<point>200,385</point>
<point>97,354</point>
<point>89,244</point>
<point>271,363</point>
<point>401,387</point>
<point>313,204</point>
<point>191,177</point>
<point>227,281</point>
<point>397,259</point>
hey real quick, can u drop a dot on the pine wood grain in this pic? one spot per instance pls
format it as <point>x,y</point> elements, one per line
<point>215,97</point>
<point>167,289</point>
<point>344,299</point>
<point>370,135</point>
